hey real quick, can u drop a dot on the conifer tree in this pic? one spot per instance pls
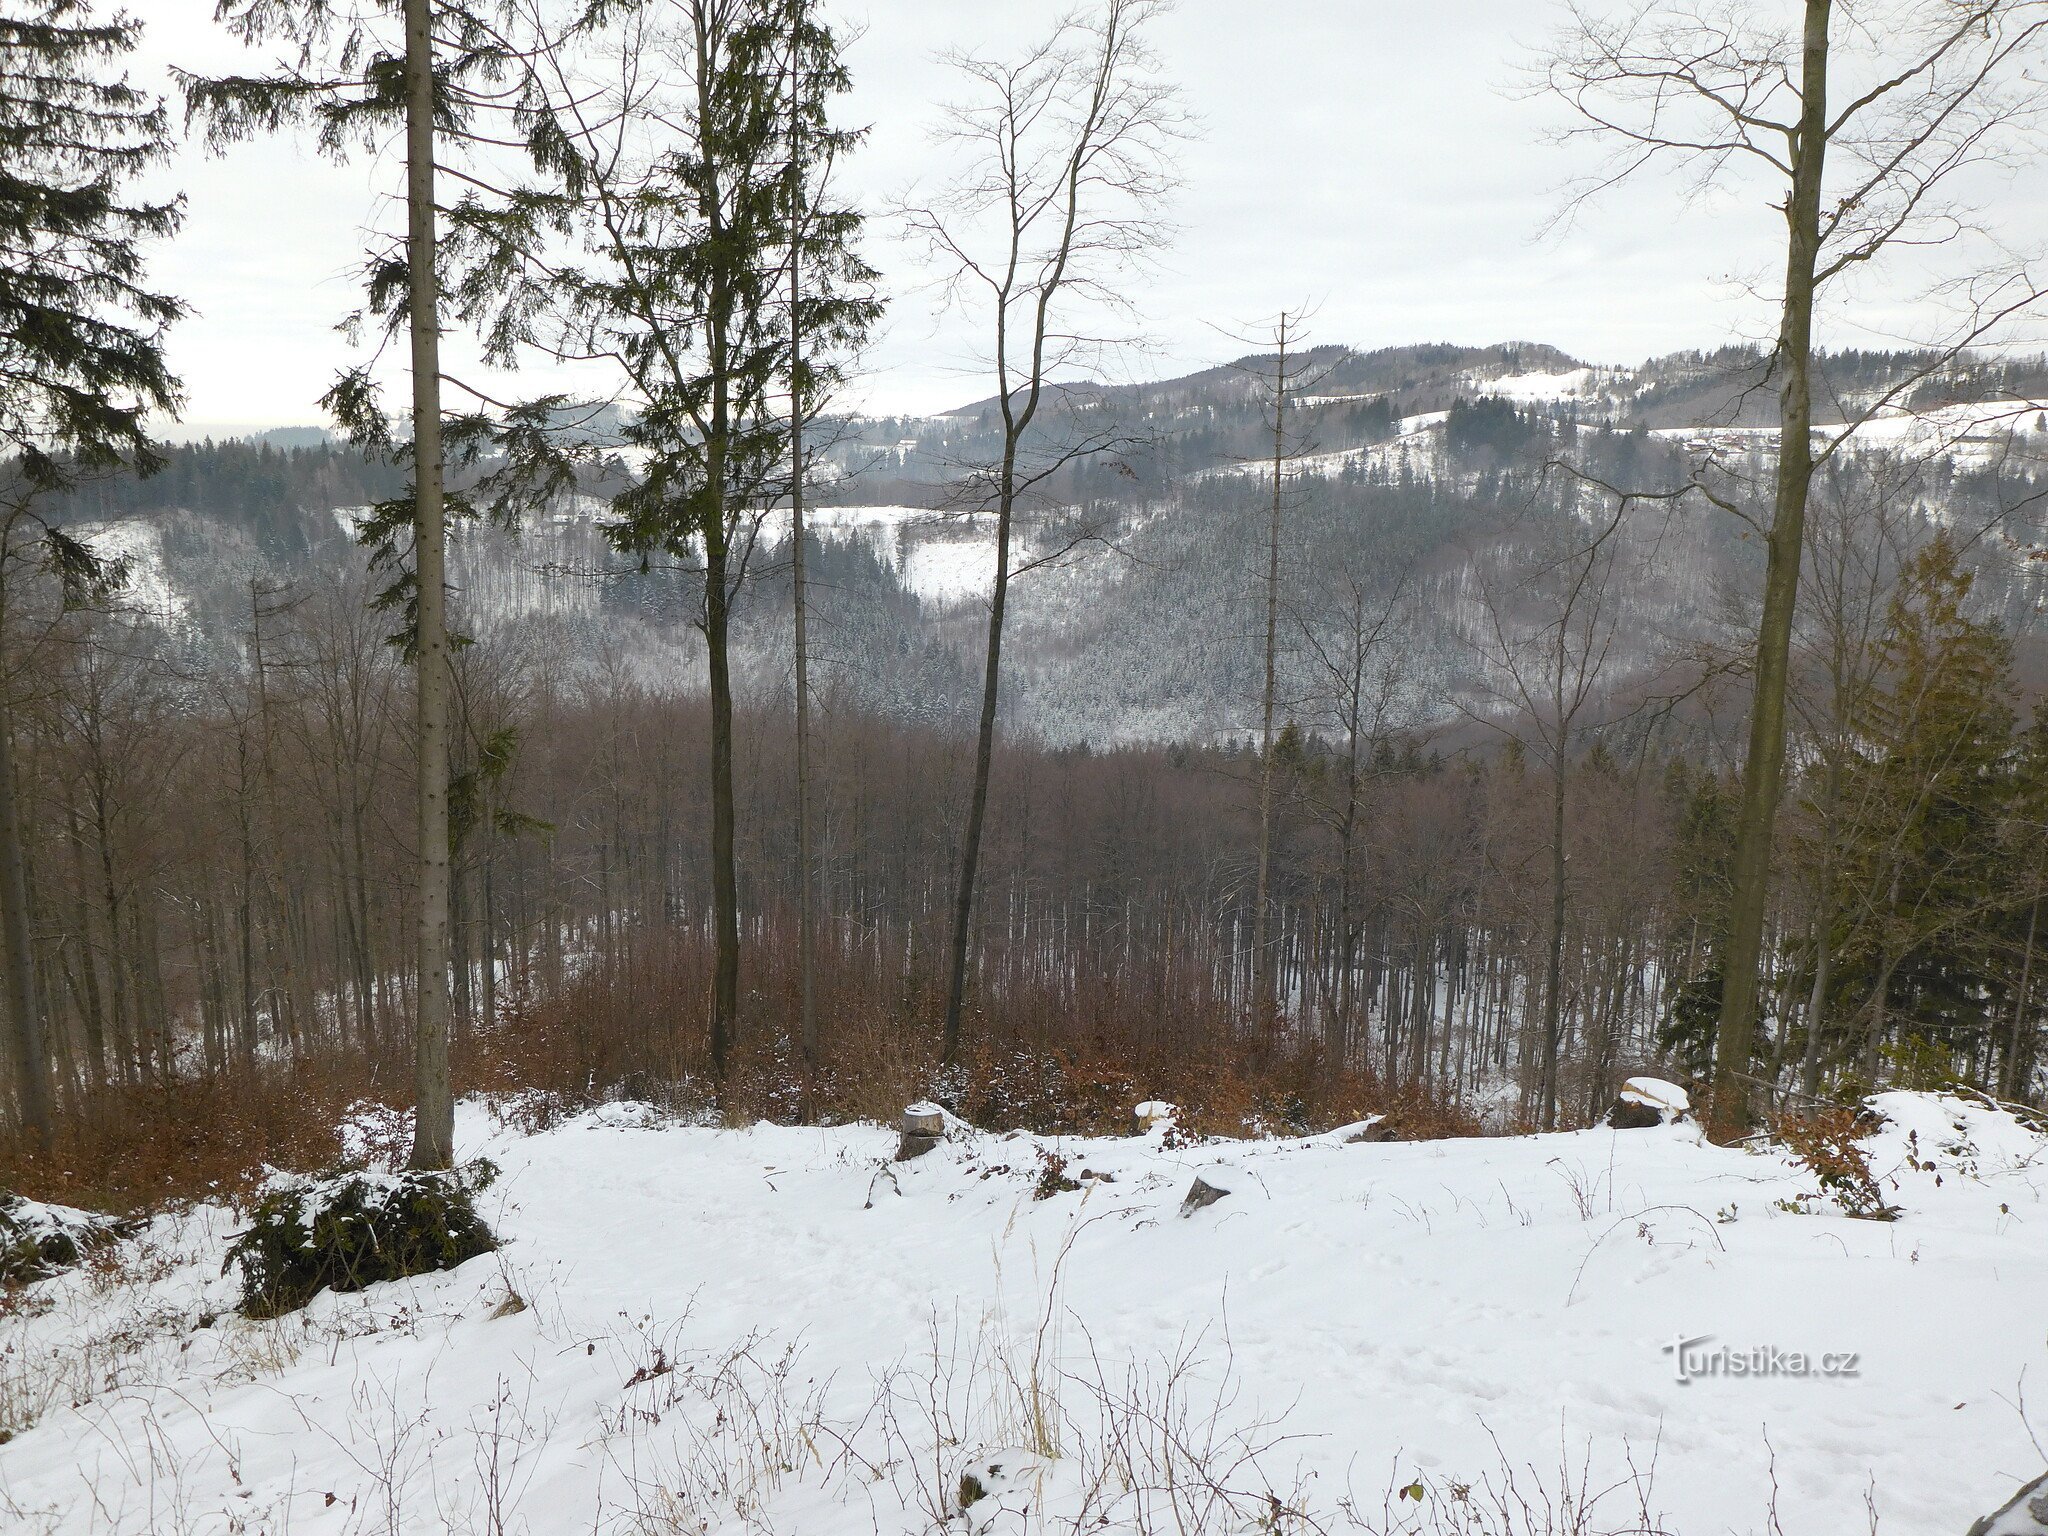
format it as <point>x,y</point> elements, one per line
<point>443,74</point>
<point>718,288</point>
<point>81,367</point>
<point>1928,799</point>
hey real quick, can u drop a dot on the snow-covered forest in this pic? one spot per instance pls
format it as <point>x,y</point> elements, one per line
<point>1433,939</point>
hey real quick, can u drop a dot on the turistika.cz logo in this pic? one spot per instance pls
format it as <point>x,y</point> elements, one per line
<point>1699,1356</point>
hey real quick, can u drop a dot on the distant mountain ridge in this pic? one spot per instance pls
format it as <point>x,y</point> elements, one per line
<point>1422,479</point>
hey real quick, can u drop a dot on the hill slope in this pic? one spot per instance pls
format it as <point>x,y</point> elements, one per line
<point>779,1330</point>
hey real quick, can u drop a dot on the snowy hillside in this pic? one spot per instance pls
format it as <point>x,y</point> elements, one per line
<point>1418,470</point>
<point>778,1330</point>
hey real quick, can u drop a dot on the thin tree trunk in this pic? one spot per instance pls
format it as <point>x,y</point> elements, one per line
<point>2009,1078</point>
<point>725,987</point>
<point>806,917</point>
<point>1262,963</point>
<point>1764,764</point>
<point>31,1054</point>
<point>1553,990</point>
<point>984,757</point>
<point>434,1123</point>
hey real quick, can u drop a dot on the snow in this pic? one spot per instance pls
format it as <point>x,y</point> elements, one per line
<point>1571,384</point>
<point>942,557</point>
<point>1974,435</point>
<point>777,1329</point>
<point>950,570</point>
<point>149,590</point>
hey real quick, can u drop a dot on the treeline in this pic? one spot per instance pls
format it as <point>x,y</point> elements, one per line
<point>250,481</point>
<point>220,871</point>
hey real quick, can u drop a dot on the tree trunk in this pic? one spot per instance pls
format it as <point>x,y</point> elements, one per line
<point>433,1143</point>
<point>1262,966</point>
<point>725,987</point>
<point>2011,1074</point>
<point>31,1054</point>
<point>984,757</point>
<point>1764,764</point>
<point>806,917</point>
<point>1553,990</point>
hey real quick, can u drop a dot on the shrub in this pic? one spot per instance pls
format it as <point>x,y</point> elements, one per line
<point>1826,1141</point>
<point>37,1240</point>
<point>1053,1178</point>
<point>349,1229</point>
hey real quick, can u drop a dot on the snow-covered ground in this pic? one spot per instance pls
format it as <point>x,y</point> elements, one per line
<point>148,590</point>
<point>777,1330</point>
<point>1572,384</point>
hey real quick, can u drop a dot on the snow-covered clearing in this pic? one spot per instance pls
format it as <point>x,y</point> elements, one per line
<point>1572,384</point>
<point>778,1330</point>
<point>148,589</point>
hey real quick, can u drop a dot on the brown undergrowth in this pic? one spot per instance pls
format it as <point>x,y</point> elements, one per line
<point>1044,1057</point>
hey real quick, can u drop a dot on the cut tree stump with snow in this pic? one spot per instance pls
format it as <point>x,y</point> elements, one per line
<point>1151,1115</point>
<point>1647,1101</point>
<point>923,1127</point>
<point>2025,1514</point>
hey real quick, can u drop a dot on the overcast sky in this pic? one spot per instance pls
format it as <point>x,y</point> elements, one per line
<point>1366,156</point>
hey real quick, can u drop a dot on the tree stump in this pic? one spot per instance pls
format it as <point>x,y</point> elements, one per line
<point>923,1127</point>
<point>1647,1101</point>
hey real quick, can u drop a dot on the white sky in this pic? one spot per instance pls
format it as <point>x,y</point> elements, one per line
<point>1361,155</point>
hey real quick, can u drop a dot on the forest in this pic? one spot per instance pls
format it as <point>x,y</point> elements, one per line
<point>612,924</point>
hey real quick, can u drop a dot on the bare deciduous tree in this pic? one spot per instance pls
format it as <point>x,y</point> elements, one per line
<point>1547,637</point>
<point>1065,157</point>
<point>1927,90</point>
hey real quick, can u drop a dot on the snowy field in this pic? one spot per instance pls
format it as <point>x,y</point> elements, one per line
<point>777,1330</point>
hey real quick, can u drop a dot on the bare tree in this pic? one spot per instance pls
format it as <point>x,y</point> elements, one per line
<point>1349,620</point>
<point>1279,378</point>
<point>1065,155</point>
<point>1547,637</point>
<point>1935,88</point>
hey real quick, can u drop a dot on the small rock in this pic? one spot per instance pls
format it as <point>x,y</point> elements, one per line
<point>1210,1185</point>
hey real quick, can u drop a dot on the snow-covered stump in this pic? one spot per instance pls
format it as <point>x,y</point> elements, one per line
<point>923,1127</point>
<point>1153,1114</point>
<point>1647,1101</point>
<point>2025,1514</point>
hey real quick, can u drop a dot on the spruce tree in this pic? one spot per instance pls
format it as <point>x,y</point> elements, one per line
<point>81,368</point>
<point>720,287</point>
<point>1929,796</point>
<point>443,74</point>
